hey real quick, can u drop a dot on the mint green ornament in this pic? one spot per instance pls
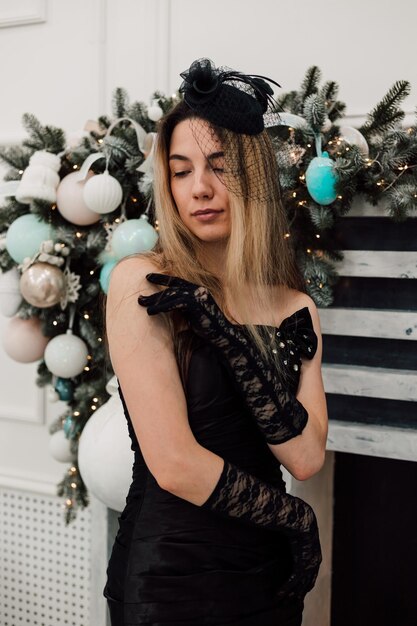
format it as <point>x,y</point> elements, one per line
<point>321,179</point>
<point>25,236</point>
<point>133,236</point>
<point>105,272</point>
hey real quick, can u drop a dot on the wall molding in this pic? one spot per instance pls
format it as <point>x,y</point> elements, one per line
<point>35,483</point>
<point>22,13</point>
<point>36,415</point>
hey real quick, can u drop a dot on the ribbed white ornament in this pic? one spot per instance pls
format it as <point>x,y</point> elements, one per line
<point>40,179</point>
<point>102,193</point>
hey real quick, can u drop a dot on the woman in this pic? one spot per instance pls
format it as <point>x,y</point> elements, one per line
<point>209,366</point>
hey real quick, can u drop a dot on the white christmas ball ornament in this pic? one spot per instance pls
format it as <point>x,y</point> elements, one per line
<point>66,355</point>
<point>10,296</point>
<point>70,201</point>
<point>40,179</point>
<point>59,447</point>
<point>24,341</point>
<point>103,193</point>
<point>355,138</point>
<point>155,112</point>
<point>105,458</point>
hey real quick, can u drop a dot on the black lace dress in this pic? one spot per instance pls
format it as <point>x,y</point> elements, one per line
<point>176,564</point>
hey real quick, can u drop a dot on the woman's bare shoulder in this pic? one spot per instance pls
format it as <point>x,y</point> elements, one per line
<point>132,270</point>
<point>294,300</point>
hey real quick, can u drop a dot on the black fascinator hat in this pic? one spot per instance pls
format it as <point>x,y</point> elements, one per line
<point>237,107</point>
<point>228,98</point>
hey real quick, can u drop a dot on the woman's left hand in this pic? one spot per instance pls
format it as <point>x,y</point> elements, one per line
<point>197,303</point>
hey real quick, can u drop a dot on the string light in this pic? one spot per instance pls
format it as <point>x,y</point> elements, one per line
<point>89,357</point>
<point>20,171</point>
<point>91,272</point>
<point>86,369</point>
<point>100,141</point>
<point>294,194</point>
<point>54,323</point>
<point>74,485</point>
<point>317,236</point>
<point>86,316</point>
<point>78,234</point>
<point>95,399</point>
<point>75,167</point>
<point>76,413</point>
<point>93,406</point>
<point>286,235</point>
<point>99,339</point>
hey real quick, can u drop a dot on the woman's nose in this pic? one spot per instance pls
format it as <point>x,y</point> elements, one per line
<point>202,186</point>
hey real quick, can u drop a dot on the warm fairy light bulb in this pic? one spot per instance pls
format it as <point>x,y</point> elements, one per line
<point>100,141</point>
<point>302,177</point>
<point>54,323</point>
<point>287,235</point>
<point>95,399</point>
<point>74,485</point>
<point>317,236</point>
<point>93,407</point>
<point>91,272</point>
<point>309,145</point>
<point>294,194</point>
<point>340,197</point>
<point>86,369</point>
<point>75,167</point>
<point>308,250</point>
<point>78,234</point>
<point>321,285</point>
<point>99,339</point>
<point>73,469</point>
<point>76,413</point>
<point>86,316</point>
<point>89,357</point>
<point>53,207</point>
<point>20,171</point>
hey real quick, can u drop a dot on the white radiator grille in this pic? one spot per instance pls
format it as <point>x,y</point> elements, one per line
<point>44,565</point>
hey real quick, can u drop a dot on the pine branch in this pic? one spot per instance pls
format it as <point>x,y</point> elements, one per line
<point>329,92</point>
<point>314,111</point>
<point>310,82</point>
<point>386,113</point>
<point>120,101</point>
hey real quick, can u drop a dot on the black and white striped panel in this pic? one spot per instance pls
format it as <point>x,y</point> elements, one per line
<point>370,330</point>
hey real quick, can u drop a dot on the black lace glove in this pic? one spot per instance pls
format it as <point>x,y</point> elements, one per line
<point>279,415</point>
<point>241,495</point>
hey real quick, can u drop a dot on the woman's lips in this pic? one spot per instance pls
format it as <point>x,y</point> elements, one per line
<point>207,216</point>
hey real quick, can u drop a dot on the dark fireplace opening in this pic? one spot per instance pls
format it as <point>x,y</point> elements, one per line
<point>374,563</point>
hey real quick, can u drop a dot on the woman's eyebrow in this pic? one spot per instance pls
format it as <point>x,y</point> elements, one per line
<point>216,155</point>
<point>179,157</point>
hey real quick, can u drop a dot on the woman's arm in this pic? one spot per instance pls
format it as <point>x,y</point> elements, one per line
<point>143,360</point>
<point>303,455</point>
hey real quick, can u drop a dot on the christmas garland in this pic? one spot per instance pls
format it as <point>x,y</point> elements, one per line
<point>73,208</point>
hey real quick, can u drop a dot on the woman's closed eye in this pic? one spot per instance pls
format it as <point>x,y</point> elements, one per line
<point>180,174</point>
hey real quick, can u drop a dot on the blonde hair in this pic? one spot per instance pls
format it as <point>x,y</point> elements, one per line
<point>259,256</point>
